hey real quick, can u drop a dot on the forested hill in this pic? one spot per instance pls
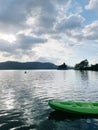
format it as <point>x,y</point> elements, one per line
<point>26,65</point>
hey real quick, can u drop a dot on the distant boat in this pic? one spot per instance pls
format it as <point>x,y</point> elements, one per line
<point>75,107</point>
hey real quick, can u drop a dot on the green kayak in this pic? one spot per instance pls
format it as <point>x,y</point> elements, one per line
<point>75,107</point>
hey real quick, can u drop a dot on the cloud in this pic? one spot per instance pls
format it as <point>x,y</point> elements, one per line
<point>72,22</point>
<point>49,13</point>
<point>90,32</point>
<point>27,42</point>
<point>42,16</point>
<point>85,33</point>
<point>93,4</point>
<point>8,50</point>
<point>37,24</point>
<point>61,2</point>
<point>58,52</point>
<point>6,46</point>
<point>21,48</point>
<point>15,13</point>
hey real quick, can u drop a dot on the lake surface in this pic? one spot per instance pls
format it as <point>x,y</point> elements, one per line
<point>24,99</point>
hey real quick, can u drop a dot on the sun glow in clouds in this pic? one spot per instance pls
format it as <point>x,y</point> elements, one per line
<point>8,37</point>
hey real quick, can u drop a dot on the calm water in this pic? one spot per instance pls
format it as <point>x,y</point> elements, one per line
<point>24,98</point>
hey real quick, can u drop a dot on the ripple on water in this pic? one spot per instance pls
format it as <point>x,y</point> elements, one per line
<point>24,98</point>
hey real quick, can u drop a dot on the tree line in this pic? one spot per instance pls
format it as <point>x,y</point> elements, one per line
<point>84,65</point>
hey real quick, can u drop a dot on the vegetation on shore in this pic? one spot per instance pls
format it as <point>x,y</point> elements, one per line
<point>83,65</point>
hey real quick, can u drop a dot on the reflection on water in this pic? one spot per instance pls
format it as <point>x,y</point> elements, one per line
<point>65,121</point>
<point>75,124</point>
<point>24,99</point>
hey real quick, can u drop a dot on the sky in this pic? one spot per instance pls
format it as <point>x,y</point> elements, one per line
<point>54,31</point>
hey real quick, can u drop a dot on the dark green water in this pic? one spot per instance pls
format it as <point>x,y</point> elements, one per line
<point>24,99</point>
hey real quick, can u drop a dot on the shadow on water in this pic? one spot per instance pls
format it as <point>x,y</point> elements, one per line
<point>58,120</point>
<point>61,116</point>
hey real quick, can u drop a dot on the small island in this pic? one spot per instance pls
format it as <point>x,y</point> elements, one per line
<point>62,67</point>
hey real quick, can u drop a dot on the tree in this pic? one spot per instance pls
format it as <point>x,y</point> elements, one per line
<point>82,65</point>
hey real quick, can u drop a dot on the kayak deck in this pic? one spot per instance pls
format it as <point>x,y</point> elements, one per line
<point>75,107</point>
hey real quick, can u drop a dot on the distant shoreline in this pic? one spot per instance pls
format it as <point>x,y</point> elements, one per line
<point>13,65</point>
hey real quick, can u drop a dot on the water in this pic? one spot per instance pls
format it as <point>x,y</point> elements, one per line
<point>24,99</point>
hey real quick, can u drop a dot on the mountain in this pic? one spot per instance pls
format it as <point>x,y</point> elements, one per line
<point>26,65</point>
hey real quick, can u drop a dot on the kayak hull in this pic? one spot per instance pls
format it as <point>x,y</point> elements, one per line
<point>75,107</point>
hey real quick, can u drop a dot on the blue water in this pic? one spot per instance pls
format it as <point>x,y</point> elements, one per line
<point>24,99</point>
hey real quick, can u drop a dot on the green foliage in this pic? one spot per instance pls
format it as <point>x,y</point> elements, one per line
<point>82,65</point>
